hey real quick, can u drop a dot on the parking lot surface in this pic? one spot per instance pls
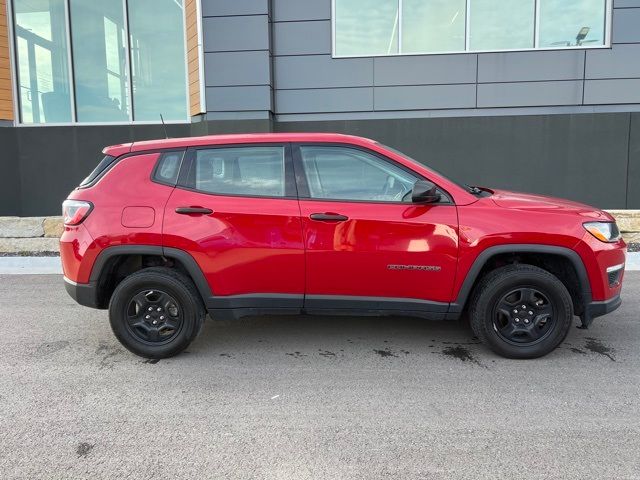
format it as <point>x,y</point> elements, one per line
<point>310,397</point>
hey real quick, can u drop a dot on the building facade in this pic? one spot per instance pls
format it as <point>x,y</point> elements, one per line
<point>533,95</point>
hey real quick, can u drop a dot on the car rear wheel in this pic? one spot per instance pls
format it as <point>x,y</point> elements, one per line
<point>156,312</point>
<point>521,311</point>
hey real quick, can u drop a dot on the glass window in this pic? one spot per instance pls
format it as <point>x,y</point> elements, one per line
<point>433,25</point>
<point>572,23</point>
<point>390,27</point>
<point>99,60</point>
<point>494,27</point>
<point>255,171</point>
<point>366,27</point>
<point>168,167</point>
<point>43,69</point>
<point>341,173</point>
<point>101,167</point>
<point>158,73</point>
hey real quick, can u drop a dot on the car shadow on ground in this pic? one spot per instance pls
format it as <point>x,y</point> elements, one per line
<point>345,337</point>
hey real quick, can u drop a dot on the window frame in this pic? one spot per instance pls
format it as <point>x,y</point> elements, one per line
<point>13,64</point>
<point>608,25</point>
<point>303,187</point>
<point>186,182</point>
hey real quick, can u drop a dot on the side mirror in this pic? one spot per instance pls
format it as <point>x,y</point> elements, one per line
<point>424,192</point>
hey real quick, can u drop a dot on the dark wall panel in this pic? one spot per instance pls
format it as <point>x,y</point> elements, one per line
<point>580,157</point>
<point>633,180</point>
<point>9,172</point>
<point>53,160</point>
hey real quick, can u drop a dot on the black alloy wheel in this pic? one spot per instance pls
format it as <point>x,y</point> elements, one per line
<point>154,317</point>
<point>521,311</point>
<point>524,316</point>
<point>156,312</point>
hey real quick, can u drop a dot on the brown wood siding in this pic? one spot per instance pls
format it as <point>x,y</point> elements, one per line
<point>6,102</point>
<point>193,68</point>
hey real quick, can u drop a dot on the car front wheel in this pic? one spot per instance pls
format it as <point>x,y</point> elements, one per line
<point>156,312</point>
<point>521,311</point>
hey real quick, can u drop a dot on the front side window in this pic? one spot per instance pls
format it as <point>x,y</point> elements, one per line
<point>128,59</point>
<point>251,171</point>
<point>392,27</point>
<point>342,173</point>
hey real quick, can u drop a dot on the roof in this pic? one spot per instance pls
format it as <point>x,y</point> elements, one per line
<point>235,139</point>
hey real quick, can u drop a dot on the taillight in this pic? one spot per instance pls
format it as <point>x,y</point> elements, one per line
<point>75,211</point>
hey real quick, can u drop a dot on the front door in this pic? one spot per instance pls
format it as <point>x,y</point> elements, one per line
<point>367,246</point>
<point>235,211</point>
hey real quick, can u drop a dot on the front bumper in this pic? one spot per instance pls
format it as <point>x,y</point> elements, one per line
<point>597,309</point>
<point>83,293</point>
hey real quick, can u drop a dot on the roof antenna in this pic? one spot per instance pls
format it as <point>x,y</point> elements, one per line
<point>166,135</point>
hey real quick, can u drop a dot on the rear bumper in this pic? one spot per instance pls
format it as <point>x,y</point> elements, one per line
<point>83,293</point>
<point>597,309</point>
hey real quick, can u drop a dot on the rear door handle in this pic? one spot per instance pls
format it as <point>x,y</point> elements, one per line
<point>192,210</point>
<point>328,217</point>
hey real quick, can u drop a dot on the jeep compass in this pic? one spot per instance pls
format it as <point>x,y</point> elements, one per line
<point>163,232</point>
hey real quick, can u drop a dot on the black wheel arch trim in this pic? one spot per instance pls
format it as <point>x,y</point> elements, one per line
<point>183,257</point>
<point>485,255</point>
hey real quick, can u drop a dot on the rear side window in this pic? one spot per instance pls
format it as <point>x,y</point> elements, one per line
<point>102,166</point>
<point>252,171</point>
<point>168,168</point>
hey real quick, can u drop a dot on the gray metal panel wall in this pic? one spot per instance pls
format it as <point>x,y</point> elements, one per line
<point>237,50</point>
<point>286,44</point>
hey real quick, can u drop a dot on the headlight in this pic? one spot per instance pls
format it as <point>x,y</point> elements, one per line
<point>603,231</point>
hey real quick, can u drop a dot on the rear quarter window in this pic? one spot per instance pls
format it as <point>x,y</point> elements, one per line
<point>101,167</point>
<point>168,168</point>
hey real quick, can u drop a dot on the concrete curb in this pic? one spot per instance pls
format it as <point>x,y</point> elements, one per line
<point>30,265</point>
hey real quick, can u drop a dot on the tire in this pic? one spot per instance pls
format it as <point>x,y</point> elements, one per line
<point>156,312</point>
<point>538,317</point>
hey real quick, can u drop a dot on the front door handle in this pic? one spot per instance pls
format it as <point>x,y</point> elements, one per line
<point>192,210</point>
<point>328,217</point>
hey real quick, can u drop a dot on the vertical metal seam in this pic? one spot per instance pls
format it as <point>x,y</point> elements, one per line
<point>128,67</point>
<point>333,28</point>
<point>467,26</point>
<point>536,25</point>
<point>400,16</point>
<point>608,23</point>
<point>200,47</point>
<point>183,7</point>
<point>72,81</point>
<point>13,64</point>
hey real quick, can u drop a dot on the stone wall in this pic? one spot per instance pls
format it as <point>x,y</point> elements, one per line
<point>21,236</point>
<point>29,235</point>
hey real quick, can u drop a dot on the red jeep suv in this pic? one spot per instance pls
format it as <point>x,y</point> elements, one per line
<point>163,232</point>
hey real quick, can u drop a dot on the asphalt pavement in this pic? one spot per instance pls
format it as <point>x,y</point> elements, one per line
<point>310,398</point>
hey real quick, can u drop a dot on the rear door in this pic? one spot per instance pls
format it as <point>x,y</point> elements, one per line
<point>235,211</point>
<point>367,245</point>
